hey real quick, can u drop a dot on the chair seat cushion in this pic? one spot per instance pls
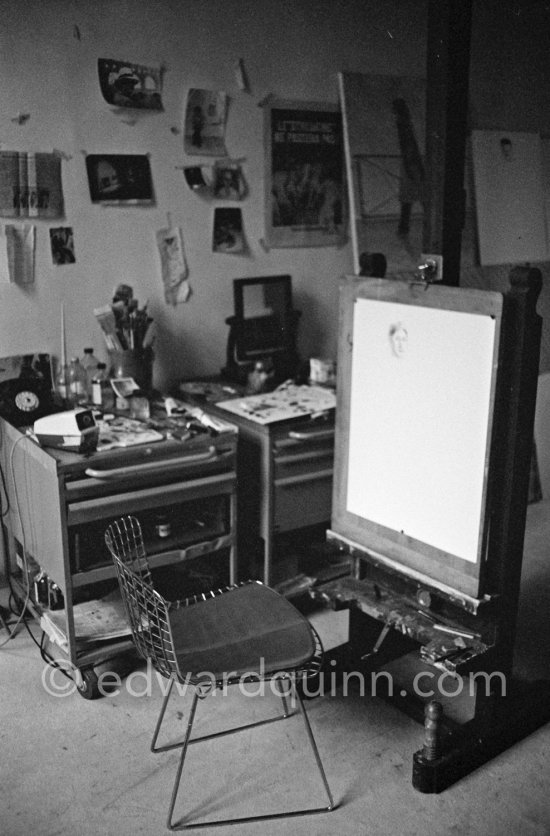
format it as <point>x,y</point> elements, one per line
<point>248,629</point>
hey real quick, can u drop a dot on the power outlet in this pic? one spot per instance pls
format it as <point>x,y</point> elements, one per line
<point>435,274</point>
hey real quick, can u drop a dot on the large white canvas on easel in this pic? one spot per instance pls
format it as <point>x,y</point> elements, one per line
<point>509,197</point>
<point>420,422</point>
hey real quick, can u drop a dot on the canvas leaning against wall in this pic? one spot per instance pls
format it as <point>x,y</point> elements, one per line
<point>304,173</point>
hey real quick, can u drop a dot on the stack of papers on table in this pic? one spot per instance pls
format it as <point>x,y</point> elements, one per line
<point>289,401</point>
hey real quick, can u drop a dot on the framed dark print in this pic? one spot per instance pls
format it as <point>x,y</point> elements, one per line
<point>304,174</point>
<point>119,178</point>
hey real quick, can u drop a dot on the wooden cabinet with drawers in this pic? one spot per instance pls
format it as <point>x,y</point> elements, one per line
<point>284,479</point>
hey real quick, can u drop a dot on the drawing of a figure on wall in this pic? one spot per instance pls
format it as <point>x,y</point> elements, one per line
<point>411,185</point>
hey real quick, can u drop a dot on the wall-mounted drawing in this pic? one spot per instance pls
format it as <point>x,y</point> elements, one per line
<point>509,197</point>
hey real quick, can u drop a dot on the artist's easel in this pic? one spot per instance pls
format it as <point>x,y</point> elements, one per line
<point>458,604</point>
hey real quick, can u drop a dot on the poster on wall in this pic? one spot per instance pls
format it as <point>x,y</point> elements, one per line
<point>123,84</point>
<point>205,118</point>
<point>509,196</point>
<point>304,174</point>
<point>119,178</point>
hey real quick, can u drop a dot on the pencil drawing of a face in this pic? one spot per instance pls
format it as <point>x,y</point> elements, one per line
<point>398,338</point>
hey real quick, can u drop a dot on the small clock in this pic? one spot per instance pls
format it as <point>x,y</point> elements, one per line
<point>23,400</point>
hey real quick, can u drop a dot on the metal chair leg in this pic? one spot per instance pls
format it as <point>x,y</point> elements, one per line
<point>181,761</point>
<point>282,694</point>
<point>315,749</point>
<point>260,817</point>
<point>165,748</point>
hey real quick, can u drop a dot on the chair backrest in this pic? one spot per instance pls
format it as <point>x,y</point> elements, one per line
<point>146,609</point>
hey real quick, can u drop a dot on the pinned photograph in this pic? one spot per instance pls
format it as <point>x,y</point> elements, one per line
<point>62,245</point>
<point>205,118</point>
<point>229,182</point>
<point>130,85</point>
<point>199,178</point>
<point>119,178</point>
<point>228,234</point>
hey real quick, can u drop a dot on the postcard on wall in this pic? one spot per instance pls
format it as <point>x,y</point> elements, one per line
<point>124,84</point>
<point>30,185</point>
<point>229,183</point>
<point>205,118</point>
<point>62,245</point>
<point>228,235</point>
<point>304,174</point>
<point>119,178</point>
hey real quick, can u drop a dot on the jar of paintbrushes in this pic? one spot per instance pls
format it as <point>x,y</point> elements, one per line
<point>128,332</point>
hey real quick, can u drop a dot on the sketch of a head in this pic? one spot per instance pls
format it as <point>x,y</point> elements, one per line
<point>398,338</point>
<point>506,147</point>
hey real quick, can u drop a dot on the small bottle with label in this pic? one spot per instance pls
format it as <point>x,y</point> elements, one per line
<point>102,391</point>
<point>163,527</point>
<point>89,364</point>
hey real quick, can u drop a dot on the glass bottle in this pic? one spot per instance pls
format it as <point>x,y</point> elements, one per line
<point>62,383</point>
<point>89,364</point>
<point>77,383</point>
<point>102,391</point>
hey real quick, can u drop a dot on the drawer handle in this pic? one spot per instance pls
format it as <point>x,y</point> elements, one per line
<point>303,435</point>
<point>147,467</point>
<point>304,478</point>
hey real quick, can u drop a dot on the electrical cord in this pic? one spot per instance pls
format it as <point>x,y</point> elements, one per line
<point>46,657</point>
<point>3,511</point>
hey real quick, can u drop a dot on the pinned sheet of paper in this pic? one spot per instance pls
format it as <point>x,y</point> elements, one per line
<point>20,249</point>
<point>4,269</point>
<point>173,265</point>
<point>241,77</point>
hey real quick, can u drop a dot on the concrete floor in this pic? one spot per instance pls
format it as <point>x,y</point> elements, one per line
<point>71,766</point>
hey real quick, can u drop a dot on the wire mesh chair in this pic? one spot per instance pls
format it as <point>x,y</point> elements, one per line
<point>246,632</point>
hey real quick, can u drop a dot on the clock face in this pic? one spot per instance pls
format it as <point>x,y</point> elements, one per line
<point>27,401</point>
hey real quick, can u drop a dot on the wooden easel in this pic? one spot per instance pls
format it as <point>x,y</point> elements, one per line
<point>420,594</point>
